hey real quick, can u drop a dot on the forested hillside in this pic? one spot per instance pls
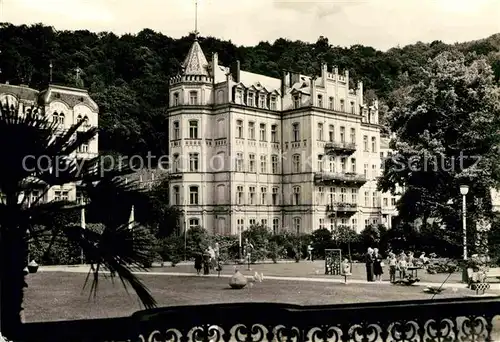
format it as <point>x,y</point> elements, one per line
<point>128,75</point>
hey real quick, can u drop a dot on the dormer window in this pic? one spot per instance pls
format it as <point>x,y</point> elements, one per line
<point>250,99</point>
<point>193,98</point>
<point>239,96</point>
<point>176,99</point>
<point>272,104</point>
<point>262,101</point>
<point>296,102</point>
<point>320,101</point>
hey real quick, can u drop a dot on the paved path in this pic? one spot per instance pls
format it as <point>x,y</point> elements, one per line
<point>86,268</point>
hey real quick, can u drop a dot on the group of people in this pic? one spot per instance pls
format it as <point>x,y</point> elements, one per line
<point>207,260</point>
<point>375,264</point>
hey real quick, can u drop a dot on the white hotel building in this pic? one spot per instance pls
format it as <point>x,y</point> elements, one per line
<point>294,153</point>
<point>66,106</point>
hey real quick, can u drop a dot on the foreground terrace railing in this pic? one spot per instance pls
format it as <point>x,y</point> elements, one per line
<point>462,319</point>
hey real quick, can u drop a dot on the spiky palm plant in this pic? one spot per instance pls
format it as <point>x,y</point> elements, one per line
<point>37,155</point>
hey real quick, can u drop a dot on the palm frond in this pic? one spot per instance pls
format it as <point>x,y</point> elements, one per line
<point>120,250</point>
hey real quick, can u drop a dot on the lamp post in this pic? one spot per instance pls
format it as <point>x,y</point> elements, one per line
<point>464,190</point>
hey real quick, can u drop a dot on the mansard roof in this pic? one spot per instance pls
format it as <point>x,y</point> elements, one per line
<point>195,63</point>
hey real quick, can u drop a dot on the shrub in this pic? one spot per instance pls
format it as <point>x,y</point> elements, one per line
<point>171,249</point>
<point>442,266</point>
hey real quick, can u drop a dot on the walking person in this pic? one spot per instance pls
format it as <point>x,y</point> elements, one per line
<point>206,263</point>
<point>198,261</point>
<point>369,264</point>
<point>377,265</point>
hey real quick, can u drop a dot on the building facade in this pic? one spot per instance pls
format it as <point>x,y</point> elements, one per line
<point>297,153</point>
<point>66,106</point>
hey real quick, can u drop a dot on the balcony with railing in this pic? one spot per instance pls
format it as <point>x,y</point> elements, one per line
<point>340,148</point>
<point>346,178</point>
<point>342,208</point>
<point>436,320</point>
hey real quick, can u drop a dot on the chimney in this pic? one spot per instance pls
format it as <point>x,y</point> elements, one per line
<point>215,63</point>
<point>324,73</point>
<point>235,71</point>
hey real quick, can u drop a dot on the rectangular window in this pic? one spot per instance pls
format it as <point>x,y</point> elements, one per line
<point>320,131</point>
<point>276,224</point>
<point>353,165</point>
<point>296,132</point>
<point>374,144</point>
<point>274,164</point>
<point>263,163</point>
<point>365,143</point>
<point>353,135</point>
<point>176,198</point>
<point>193,195</point>
<point>342,134</point>
<point>251,162</point>
<point>354,196</point>
<point>177,132</point>
<point>296,163</point>
<point>239,194</point>
<point>239,129</point>
<point>273,103</point>
<point>251,130</point>
<point>193,129</point>
<point>263,196</point>
<point>262,132</point>
<point>250,100</point>
<point>275,198</point>
<point>239,162</point>
<point>331,103</point>
<point>274,133</point>
<point>193,98</point>
<point>331,133</point>
<point>193,223</point>
<point>193,162</point>
<point>251,195</point>
<point>296,195</point>
<point>262,101</point>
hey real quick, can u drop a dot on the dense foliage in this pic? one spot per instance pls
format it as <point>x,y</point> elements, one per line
<point>128,75</point>
<point>446,135</point>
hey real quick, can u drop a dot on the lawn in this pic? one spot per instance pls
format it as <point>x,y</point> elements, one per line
<point>315,269</point>
<point>59,295</point>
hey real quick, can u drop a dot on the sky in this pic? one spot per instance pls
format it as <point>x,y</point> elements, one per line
<point>379,23</point>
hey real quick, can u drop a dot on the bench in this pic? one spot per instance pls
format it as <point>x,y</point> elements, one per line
<point>493,273</point>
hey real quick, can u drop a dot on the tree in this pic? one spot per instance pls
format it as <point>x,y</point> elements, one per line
<point>446,129</point>
<point>321,239</point>
<point>43,158</point>
<point>346,235</point>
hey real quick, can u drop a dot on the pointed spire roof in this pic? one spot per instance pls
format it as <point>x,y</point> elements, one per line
<point>195,63</point>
